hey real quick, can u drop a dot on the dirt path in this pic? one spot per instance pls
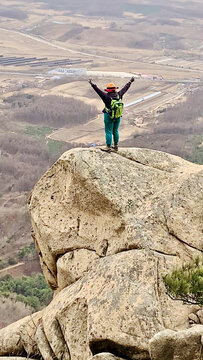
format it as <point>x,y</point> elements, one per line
<point>11,267</point>
<point>12,270</point>
<point>88,54</point>
<point>46,42</point>
<point>93,131</point>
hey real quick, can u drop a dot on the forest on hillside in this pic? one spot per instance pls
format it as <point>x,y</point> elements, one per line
<point>178,130</point>
<point>22,297</point>
<point>140,33</point>
<point>26,153</point>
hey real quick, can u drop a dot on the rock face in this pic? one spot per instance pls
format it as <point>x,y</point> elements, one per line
<point>137,199</point>
<point>181,345</point>
<point>107,227</point>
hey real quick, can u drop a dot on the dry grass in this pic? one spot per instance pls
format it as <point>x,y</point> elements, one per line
<point>184,118</point>
<point>55,111</point>
<point>11,311</point>
<point>178,131</point>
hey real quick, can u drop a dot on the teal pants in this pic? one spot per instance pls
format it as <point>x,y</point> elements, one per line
<point>111,129</point>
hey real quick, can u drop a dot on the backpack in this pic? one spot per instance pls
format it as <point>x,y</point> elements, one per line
<point>116,108</point>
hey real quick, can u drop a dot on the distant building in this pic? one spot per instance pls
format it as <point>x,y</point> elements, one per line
<point>68,71</point>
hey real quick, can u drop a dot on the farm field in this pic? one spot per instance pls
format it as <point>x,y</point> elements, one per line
<point>91,42</point>
<point>48,52</point>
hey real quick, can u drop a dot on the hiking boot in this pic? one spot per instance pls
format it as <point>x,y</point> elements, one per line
<point>107,149</point>
<point>116,147</point>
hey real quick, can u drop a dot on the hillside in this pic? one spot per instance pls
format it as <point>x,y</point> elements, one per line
<point>26,153</point>
<point>44,112</point>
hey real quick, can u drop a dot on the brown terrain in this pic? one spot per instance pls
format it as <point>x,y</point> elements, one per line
<point>160,45</point>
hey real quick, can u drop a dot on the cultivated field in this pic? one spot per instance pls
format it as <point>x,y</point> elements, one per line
<point>116,44</point>
<point>44,112</point>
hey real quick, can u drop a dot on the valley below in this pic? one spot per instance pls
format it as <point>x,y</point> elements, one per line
<point>49,51</point>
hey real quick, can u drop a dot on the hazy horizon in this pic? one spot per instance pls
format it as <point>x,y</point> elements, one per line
<point>152,8</point>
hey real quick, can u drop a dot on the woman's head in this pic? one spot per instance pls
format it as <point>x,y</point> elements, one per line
<point>110,87</point>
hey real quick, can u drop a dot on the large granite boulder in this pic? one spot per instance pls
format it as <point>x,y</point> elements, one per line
<point>107,227</point>
<point>181,345</point>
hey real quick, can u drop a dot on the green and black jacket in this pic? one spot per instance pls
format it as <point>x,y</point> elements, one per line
<point>106,97</point>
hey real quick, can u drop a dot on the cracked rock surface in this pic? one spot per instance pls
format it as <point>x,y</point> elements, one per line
<point>181,345</point>
<point>108,203</point>
<point>107,227</point>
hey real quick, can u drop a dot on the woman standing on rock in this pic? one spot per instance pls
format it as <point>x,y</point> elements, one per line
<point>112,111</point>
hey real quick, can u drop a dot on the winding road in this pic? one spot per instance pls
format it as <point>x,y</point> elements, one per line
<point>49,43</point>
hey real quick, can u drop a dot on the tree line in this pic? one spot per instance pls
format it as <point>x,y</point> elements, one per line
<point>32,291</point>
<point>184,118</point>
<point>26,155</point>
<point>55,111</point>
